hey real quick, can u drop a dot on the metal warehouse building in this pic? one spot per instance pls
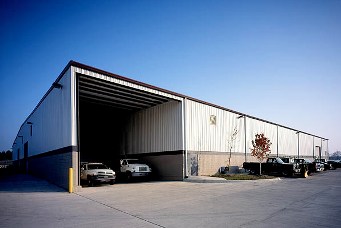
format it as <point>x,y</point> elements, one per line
<point>92,115</point>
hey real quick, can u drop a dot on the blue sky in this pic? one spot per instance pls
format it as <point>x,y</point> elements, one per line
<point>275,60</point>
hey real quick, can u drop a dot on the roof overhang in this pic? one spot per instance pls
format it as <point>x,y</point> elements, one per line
<point>105,88</point>
<point>119,96</point>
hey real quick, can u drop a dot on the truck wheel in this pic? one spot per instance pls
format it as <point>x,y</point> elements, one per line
<point>129,176</point>
<point>90,182</point>
<point>112,182</point>
<point>305,174</point>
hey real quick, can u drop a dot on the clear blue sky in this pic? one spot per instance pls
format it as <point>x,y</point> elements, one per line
<point>276,60</point>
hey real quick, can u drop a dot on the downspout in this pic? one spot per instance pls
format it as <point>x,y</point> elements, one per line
<point>185,168</point>
<point>320,153</point>
<point>277,140</point>
<point>327,151</point>
<point>298,144</point>
<point>76,76</point>
<point>245,136</point>
<point>313,148</point>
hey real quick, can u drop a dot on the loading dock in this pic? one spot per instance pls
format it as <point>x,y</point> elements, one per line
<point>105,109</point>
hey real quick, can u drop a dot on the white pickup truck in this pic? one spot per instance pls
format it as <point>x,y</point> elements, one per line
<point>93,173</point>
<point>131,167</point>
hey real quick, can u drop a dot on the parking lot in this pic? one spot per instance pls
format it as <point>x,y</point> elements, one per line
<point>286,202</point>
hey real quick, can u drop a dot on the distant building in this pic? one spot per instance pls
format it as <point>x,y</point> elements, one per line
<point>92,115</point>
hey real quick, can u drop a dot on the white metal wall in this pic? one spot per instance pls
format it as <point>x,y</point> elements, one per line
<point>306,145</point>
<point>51,128</point>
<point>254,127</point>
<point>287,142</point>
<point>155,129</point>
<point>320,143</point>
<point>325,152</point>
<point>204,135</point>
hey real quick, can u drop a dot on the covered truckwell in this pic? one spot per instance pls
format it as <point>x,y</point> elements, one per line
<point>100,133</point>
<point>114,120</point>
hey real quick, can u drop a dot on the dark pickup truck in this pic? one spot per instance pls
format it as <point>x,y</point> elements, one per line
<point>334,164</point>
<point>325,164</point>
<point>275,165</point>
<point>304,166</point>
<point>312,166</point>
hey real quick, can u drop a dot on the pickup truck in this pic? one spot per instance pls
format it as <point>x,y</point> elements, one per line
<point>334,164</point>
<point>305,167</point>
<point>96,172</point>
<point>325,164</point>
<point>131,167</point>
<point>312,166</point>
<point>275,165</point>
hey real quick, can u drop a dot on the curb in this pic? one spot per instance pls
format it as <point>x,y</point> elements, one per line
<point>206,179</point>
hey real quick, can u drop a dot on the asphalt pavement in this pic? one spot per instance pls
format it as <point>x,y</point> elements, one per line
<point>27,201</point>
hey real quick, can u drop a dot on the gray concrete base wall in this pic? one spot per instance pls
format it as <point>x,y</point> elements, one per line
<point>167,166</point>
<point>54,167</point>
<point>209,163</point>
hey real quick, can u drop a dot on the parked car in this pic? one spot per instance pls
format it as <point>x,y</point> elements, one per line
<point>94,172</point>
<point>274,165</point>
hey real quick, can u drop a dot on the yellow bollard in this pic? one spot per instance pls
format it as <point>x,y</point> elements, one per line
<point>70,180</point>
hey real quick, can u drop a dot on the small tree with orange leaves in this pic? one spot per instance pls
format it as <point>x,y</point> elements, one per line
<point>261,149</point>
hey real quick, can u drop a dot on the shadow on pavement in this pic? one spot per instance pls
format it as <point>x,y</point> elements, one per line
<point>23,183</point>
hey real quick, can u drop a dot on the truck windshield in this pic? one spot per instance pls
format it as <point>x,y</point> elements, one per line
<point>97,166</point>
<point>134,161</point>
<point>279,161</point>
<point>286,160</point>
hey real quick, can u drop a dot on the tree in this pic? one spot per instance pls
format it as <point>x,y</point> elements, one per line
<point>231,144</point>
<point>336,155</point>
<point>261,149</point>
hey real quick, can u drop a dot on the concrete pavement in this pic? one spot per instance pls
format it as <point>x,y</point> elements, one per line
<point>287,202</point>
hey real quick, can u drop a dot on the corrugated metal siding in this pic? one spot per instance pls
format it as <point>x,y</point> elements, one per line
<point>155,129</point>
<point>51,128</point>
<point>323,144</point>
<point>287,142</point>
<point>202,135</point>
<point>306,145</point>
<point>325,148</point>
<point>254,127</point>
